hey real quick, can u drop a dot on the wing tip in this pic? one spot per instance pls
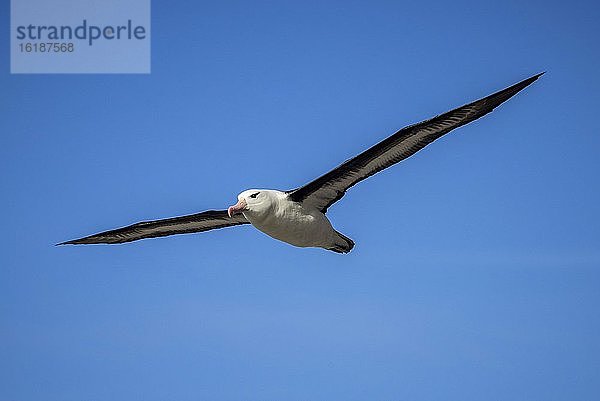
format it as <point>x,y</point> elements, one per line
<point>526,82</point>
<point>535,77</point>
<point>92,239</point>
<point>530,80</point>
<point>503,95</point>
<point>71,242</point>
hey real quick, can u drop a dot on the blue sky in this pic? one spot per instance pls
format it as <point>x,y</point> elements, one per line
<point>476,272</point>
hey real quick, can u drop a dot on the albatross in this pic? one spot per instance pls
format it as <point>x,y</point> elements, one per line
<point>298,216</point>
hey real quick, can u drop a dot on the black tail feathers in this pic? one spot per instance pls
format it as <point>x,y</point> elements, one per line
<point>343,244</point>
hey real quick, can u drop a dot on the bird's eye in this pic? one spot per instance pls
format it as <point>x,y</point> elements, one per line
<point>254,195</point>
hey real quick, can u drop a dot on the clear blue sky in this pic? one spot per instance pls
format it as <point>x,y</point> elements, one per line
<point>476,273</point>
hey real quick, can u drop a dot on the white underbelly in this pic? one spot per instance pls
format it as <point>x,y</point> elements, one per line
<point>297,227</point>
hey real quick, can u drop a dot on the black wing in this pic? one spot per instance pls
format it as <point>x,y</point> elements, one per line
<point>330,187</point>
<point>193,223</point>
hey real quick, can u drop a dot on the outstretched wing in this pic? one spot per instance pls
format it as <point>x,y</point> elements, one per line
<point>330,187</point>
<point>193,223</point>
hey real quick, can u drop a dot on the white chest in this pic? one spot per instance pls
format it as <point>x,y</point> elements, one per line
<point>290,222</point>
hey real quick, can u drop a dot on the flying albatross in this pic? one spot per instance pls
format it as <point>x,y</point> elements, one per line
<point>298,216</point>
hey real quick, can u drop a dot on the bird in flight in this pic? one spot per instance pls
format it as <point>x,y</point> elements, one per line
<point>298,217</point>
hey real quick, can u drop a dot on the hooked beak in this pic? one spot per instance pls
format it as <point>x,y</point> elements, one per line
<point>237,208</point>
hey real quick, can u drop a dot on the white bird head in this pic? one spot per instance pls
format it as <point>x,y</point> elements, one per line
<point>254,201</point>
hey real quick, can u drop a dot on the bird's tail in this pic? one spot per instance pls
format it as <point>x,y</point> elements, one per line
<point>342,244</point>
